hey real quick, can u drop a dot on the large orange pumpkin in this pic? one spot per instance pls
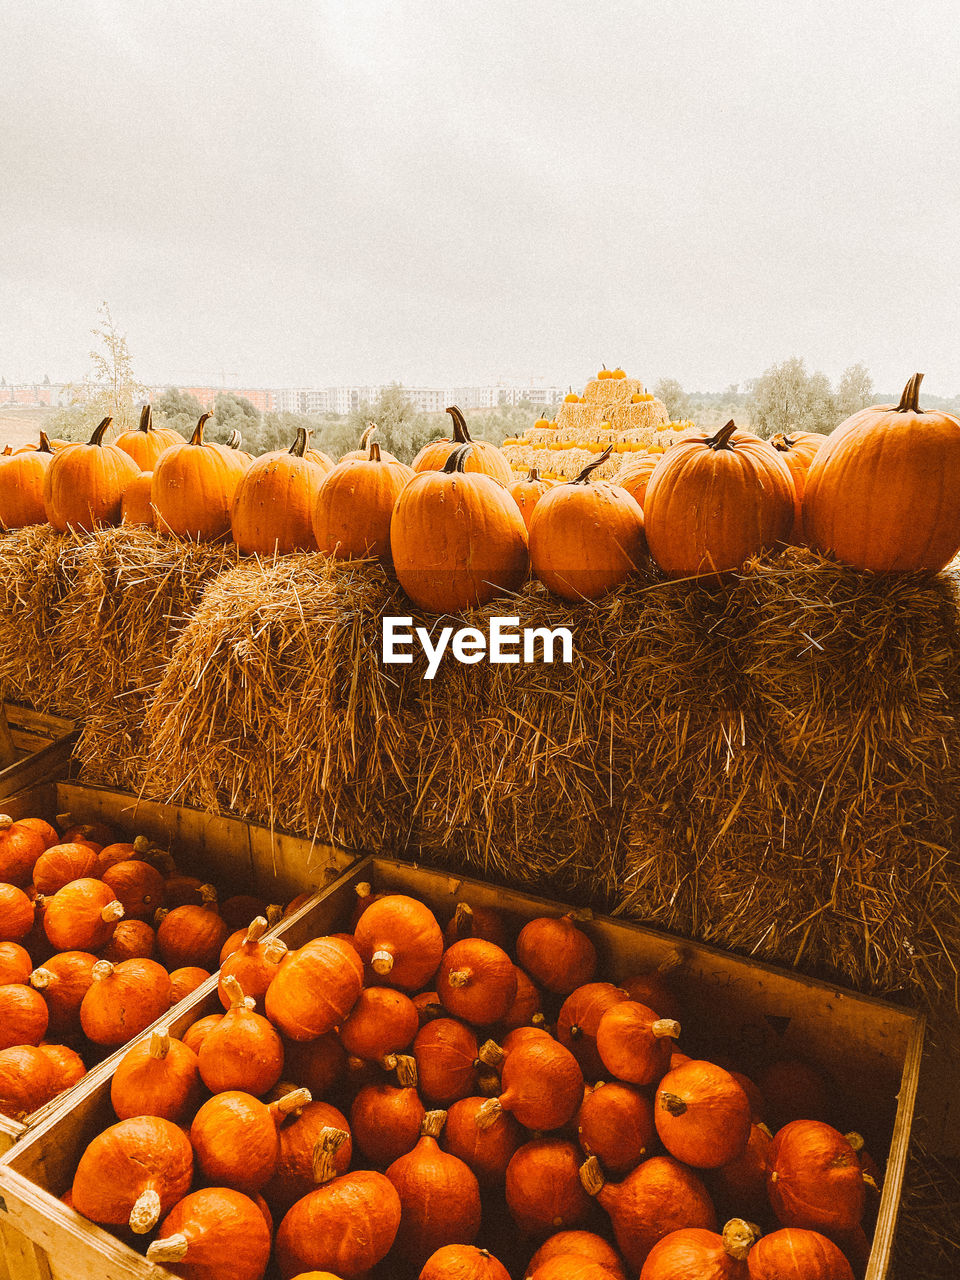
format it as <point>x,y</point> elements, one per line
<point>586,537</point>
<point>135,505</point>
<point>147,443</point>
<point>273,506</point>
<point>354,505</point>
<point>484,457</point>
<point>706,1255</point>
<point>882,492</point>
<point>714,501</point>
<point>84,483</point>
<point>815,1179</point>
<point>634,475</point>
<point>798,450</point>
<point>194,485</point>
<point>797,1254</point>
<point>457,540</point>
<point>21,487</point>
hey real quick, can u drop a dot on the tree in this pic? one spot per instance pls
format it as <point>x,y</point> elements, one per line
<point>674,397</point>
<point>111,382</point>
<point>854,390</point>
<point>175,408</point>
<point>402,429</point>
<point>787,398</point>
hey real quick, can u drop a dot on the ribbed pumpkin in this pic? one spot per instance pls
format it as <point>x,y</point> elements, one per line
<point>706,1255</point>
<point>21,487</point>
<point>147,443</point>
<point>578,1244</point>
<point>634,475</point>
<point>634,1044</point>
<point>243,1051</point>
<point>382,1022</point>
<point>556,954</point>
<point>527,492</point>
<point>235,1137</point>
<point>579,1019</point>
<point>486,1148</point>
<point>446,1057</point>
<point>463,1262</point>
<point>796,1254</point>
<point>457,540</point>
<point>20,847</point>
<point>477,981</point>
<point>815,1180</point>
<point>543,1190</point>
<point>541,1085</point>
<point>81,916</point>
<point>484,457</point>
<point>84,483</point>
<point>881,493</point>
<point>364,450</point>
<point>136,508</point>
<point>214,1232</point>
<point>347,1227</point>
<point>41,828</point>
<point>133,1173</point>
<point>123,1000</point>
<point>702,1114</point>
<point>27,1081</point>
<point>315,988</point>
<point>64,979</point>
<point>23,1015</point>
<point>716,500</point>
<point>273,506</point>
<point>400,938</point>
<point>615,1124</point>
<point>385,1119</point>
<point>586,537</point>
<point>798,450</point>
<point>158,1076</point>
<point>194,485</point>
<point>60,864</point>
<point>354,505</point>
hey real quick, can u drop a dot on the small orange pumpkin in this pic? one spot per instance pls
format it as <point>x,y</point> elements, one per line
<point>147,443</point>
<point>137,885</point>
<point>815,1179</point>
<point>385,1119</point>
<point>541,1084</point>
<point>23,1015</point>
<point>123,1000</point>
<point>704,1254</point>
<point>133,1173</point>
<point>477,981</point>
<point>382,1022</point>
<point>156,1077</point>
<point>235,1137</point>
<point>243,1051</point>
<point>400,938</point>
<point>798,450</point>
<point>556,954</point>
<point>81,916</point>
<point>314,989</point>
<point>703,1115</point>
<point>20,848</point>
<point>543,1191</point>
<point>17,913</point>
<point>634,1044</point>
<point>84,483</point>
<point>21,487</point>
<point>191,935</point>
<point>579,1019</point>
<point>213,1232</point>
<point>194,484</point>
<point>527,492</point>
<point>62,863</point>
<point>63,981</point>
<point>797,1254</point>
<point>354,505</point>
<point>615,1124</point>
<point>27,1081</point>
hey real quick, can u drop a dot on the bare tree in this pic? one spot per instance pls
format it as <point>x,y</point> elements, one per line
<point>854,390</point>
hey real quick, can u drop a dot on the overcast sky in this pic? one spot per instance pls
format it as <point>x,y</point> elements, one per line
<point>300,192</point>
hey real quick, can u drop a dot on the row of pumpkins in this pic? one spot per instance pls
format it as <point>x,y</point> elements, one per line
<point>396,1092</point>
<point>458,529</point>
<point>99,937</point>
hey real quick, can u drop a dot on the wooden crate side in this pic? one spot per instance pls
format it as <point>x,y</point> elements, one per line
<point>46,743</point>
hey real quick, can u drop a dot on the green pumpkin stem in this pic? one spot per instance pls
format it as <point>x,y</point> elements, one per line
<point>146,418</point>
<point>457,461</point>
<point>460,433</point>
<point>723,438</point>
<point>44,446</point>
<point>197,437</point>
<point>374,455</point>
<point>299,446</point>
<point>584,475</point>
<point>910,400</point>
<point>101,431</point>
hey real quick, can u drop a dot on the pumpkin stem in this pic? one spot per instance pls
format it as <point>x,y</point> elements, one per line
<point>5,821</point>
<point>739,1237</point>
<point>141,845</point>
<point>584,475</point>
<point>488,1084</point>
<point>173,1249</point>
<point>112,911</point>
<point>591,1176</point>
<point>457,461</point>
<point>670,1102</point>
<point>433,1123</point>
<point>856,1141</point>
<point>197,437</point>
<point>407,1077</point>
<point>460,432</point>
<point>390,1062</point>
<point>722,439</point>
<point>102,969</point>
<point>299,446</point>
<point>256,929</point>
<point>665,1028</point>
<point>491,1055</point>
<point>145,1213</point>
<point>295,1100</point>
<point>782,443</point>
<point>363,889</point>
<point>374,455</point>
<point>538,1020</point>
<point>382,962</point>
<point>159,1043</point>
<point>910,400</point>
<point>533,474</point>
<point>459,977</point>
<point>44,445</point>
<point>274,914</point>
<point>488,1114</point>
<point>41,978</point>
<point>236,439</point>
<point>463,920</point>
<point>324,1152</point>
<point>101,431</point>
<point>274,949</point>
<point>234,991</point>
<point>208,895</point>
<point>146,418</point>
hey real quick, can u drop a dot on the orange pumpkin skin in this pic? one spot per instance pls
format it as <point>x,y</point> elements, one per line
<point>348,1226</point>
<point>446,1054</point>
<point>556,954</point>
<point>634,1044</point>
<point>463,1262</point>
<point>15,963</point>
<point>880,494</point>
<point>235,1141</point>
<point>571,1266</point>
<point>273,506</point>
<point>383,1021</point>
<point>815,1180</point>
<point>542,1187</point>
<point>484,457</point>
<point>84,483</point>
<point>741,1185</point>
<point>68,1067</point>
<point>317,1065</point>
<point>195,1035</point>
<point>798,450</point>
<point>615,1124</point>
<point>486,1151</point>
<point>132,940</point>
<point>385,1122</point>
<point>64,980</point>
<point>469,921</point>
<point>715,501</point>
<point>242,1052</point>
<point>20,848</point>
<point>703,1116</point>
<point>27,1081</point>
<point>226,1237</point>
<point>527,492</point>
<point>194,485</point>
<point>137,886</point>
<point>21,487</point>
<point>23,1015</point>
<point>796,1254</point>
<point>157,1077</point>
<point>136,509</point>
<point>191,935</point>
<point>477,981</point>
<point>586,537</point>
<point>147,1154</point>
<point>579,1019</point>
<point>634,476</point>
<point>254,964</point>
<point>62,863</point>
<point>315,988</point>
<point>123,1000</point>
<point>17,913</point>
<point>81,916</point>
<point>542,1084</point>
<point>439,1197</point>
<point>401,939</point>
<point>526,1005</point>
<point>147,443</point>
<point>457,540</point>
<point>38,826</point>
<point>582,1244</point>
<point>354,506</point>
<point>694,1252</point>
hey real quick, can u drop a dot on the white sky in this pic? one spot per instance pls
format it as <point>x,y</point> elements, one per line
<point>301,191</point>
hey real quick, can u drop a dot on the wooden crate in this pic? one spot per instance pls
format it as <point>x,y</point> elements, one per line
<point>871,1049</point>
<point>45,744</point>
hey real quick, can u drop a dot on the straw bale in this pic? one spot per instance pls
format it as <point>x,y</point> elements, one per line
<point>646,416</point>
<point>610,391</point>
<point>574,419</point>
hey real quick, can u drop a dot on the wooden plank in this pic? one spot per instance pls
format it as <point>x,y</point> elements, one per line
<point>21,1258</point>
<point>51,761</point>
<point>8,750</point>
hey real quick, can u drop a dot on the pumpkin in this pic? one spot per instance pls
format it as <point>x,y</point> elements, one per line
<point>15,963</point>
<point>183,982</point>
<point>365,897</point>
<point>253,963</point>
<point>615,1124</point>
<point>243,1051</point>
<point>463,1262</point>
<point>385,1120</point>
<point>527,492</point>
<point>20,849</point>
<point>477,981</point>
<point>527,1005</point>
<point>796,1254</point>
<point>556,954</point>
<point>363,451</point>
<point>60,864</point>
<point>17,914</point>
<point>446,1057</point>
<point>702,1115</point>
<point>240,910</point>
<point>98,833</point>
<point>880,492</point>
<point>571,1266</point>
<point>37,825</point>
<point>476,922</point>
<point>133,1173</point>
<point>136,509</point>
<point>486,1149</point>
<point>579,1019</point>
<point>382,1022</point>
<point>213,1232</point>
<point>194,485</point>
<point>714,501</point>
<point>586,537</point>
<point>132,940</point>
<point>235,1138</point>
<point>634,1044</point>
<point>542,1188</point>
<point>400,938</point>
<point>354,506</point>
<point>81,916</point>
<point>137,885</point>
<point>346,1226</point>
<point>123,1000</point>
<point>64,980</point>
<point>158,1076</point>
<point>195,1034</point>
<point>513,1039</point>
<point>439,1196</point>
<point>758,1104</point>
<point>798,451</point>
<point>233,445</point>
<point>578,1244</point>
<point>741,1185</point>
<point>315,988</point>
<point>111,854</point>
<point>793,1090</point>
<point>316,1064</point>
<point>659,1196</point>
<point>634,476</point>
<point>147,443</point>
<point>814,1179</point>
<point>191,935</point>
<point>272,511</point>
<point>21,487</point>
<point>484,457</point>
<point>23,1015</point>
<point>542,1085</point>
<point>27,1081</point>
<point>693,1252</point>
<point>457,540</point>
<point>68,1067</point>
<point>84,483</point>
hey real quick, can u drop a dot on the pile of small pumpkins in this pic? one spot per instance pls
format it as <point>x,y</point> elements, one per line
<point>405,1100</point>
<point>99,937</point>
